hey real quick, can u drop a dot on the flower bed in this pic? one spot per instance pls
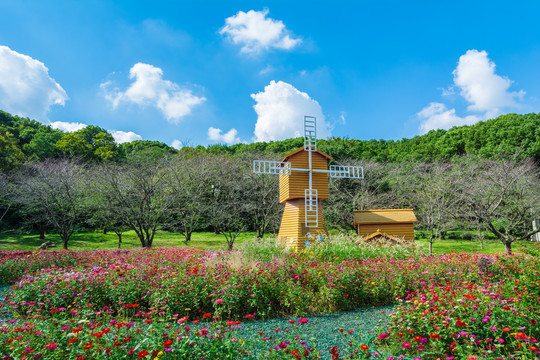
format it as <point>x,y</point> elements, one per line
<point>450,306</point>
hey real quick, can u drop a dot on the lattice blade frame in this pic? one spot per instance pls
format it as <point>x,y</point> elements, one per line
<point>311,208</point>
<point>345,171</point>
<point>271,167</point>
<point>310,133</point>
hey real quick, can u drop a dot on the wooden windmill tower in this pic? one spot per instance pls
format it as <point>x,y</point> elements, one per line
<point>303,184</point>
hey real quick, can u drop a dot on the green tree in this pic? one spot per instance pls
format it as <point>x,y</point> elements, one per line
<point>90,143</point>
<point>43,144</point>
<point>10,153</point>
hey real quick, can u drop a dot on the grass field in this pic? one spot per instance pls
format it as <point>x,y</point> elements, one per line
<point>208,240</point>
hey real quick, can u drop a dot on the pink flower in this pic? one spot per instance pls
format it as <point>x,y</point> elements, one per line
<point>303,321</point>
<point>218,301</point>
<point>406,345</point>
<point>51,346</point>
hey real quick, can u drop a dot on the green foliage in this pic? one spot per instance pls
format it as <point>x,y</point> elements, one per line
<point>510,134</point>
<point>10,153</point>
<point>90,143</point>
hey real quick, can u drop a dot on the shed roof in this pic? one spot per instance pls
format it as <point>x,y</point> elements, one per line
<point>384,216</point>
<point>294,152</point>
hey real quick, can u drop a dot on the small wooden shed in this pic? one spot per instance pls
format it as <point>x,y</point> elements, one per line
<point>394,222</point>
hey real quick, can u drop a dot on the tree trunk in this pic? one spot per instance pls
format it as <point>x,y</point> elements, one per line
<point>430,247</point>
<point>508,247</point>
<point>187,236</point>
<point>119,239</point>
<point>65,243</point>
<point>104,231</point>
<point>41,232</point>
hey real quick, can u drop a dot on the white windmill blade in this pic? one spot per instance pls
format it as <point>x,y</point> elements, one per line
<point>271,167</point>
<point>311,208</point>
<point>310,133</point>
<point>345,171</point>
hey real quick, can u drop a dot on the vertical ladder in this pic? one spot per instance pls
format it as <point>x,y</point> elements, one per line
<point>310,133</point>
<point>312,208</point>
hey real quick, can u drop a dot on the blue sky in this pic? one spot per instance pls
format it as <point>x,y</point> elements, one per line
<point>205,72</point>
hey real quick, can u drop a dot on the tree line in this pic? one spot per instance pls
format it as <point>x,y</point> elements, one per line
<point>24,140</point>
<point>186,192</point>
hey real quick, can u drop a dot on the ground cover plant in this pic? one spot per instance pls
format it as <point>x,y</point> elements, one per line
<point>79,304</point>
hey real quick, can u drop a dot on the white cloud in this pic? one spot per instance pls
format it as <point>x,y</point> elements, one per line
<point>26,89</point>
<point>280,112</point>
<point>255,32</point>
<point>123,136</point>
<point>150,89</point>
<point>481,87</point>
<point>177,144</point>
<point>437,116</point>
<point>67,126</point>
<point>228,138</point>
<point>486,93</point>
<point>267,70</point>
<point>342,118</point>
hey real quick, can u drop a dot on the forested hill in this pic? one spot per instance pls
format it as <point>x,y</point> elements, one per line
<point>22,139</point>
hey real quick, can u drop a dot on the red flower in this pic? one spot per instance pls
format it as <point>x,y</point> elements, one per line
<point>364,347</point>
<point>460,323</point>
<point>142,354</point>
<point>167,343</point>
<point>207,315</point>
<point>88,346</point>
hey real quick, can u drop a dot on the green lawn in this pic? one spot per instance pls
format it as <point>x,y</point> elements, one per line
<point>98,240</point>
<point>208,240</point>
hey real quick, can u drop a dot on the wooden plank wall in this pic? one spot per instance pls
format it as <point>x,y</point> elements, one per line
<point>400,230</point>
<point>293,186</point>
<point>292,232</point>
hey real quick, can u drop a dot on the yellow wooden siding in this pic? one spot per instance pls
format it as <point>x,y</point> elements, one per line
<point>293,186</point>
<point>400,230</point>
<point>283,188</point>
<point>293,232</point>
<point>384,216</point>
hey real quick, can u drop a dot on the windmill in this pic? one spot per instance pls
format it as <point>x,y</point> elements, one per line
<point>303,184</point>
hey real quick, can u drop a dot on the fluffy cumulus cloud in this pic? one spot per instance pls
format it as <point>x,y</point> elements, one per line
<point>437,116</point>
<point>177,144</point>
<point>26,89</point>
<point>486,93</point>
<point>124,136</point>
<point>67,126</point>
<point>229,138</point>
<point>280,112</point>
<point>481,87</point>
<point>150,89</point>
<point>255,32</point>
